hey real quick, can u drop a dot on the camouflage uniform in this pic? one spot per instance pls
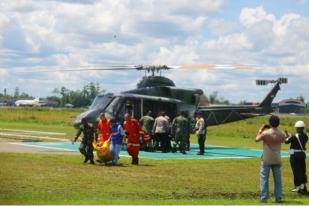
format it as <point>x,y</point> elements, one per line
<point>86,148</point>
<point>181,131</point>
<point>147,123</point>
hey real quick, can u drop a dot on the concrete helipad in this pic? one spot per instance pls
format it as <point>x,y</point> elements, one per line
<point>212,152</point>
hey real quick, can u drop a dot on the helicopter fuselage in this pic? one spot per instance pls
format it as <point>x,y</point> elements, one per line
<point>158,94</point>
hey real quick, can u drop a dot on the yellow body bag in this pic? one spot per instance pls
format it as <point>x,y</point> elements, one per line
<point>103,152</point>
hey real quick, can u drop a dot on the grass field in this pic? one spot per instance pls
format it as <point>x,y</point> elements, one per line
<point>63,179</point>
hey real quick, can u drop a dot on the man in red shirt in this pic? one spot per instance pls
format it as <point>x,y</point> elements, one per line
<point>133,132</point>
<point>104,128</point>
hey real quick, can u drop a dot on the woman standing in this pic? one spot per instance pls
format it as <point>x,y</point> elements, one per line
<point>298,157</point>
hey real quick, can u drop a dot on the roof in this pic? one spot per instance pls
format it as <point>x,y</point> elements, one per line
<point>291,101</point>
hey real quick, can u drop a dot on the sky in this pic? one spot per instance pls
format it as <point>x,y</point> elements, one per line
<point>273,36</point>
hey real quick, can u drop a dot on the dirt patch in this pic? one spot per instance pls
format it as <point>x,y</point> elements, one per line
<point>189,195</point>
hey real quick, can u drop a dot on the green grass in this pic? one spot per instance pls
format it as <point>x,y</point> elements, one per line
<point>39,115</point>
<point>63,179</point>
<point>39,119</point>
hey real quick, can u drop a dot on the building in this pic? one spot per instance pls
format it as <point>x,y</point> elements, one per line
<point>291,106</point>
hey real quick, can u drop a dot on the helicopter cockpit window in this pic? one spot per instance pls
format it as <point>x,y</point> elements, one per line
<point>114,106</point>
<point>100,102</point>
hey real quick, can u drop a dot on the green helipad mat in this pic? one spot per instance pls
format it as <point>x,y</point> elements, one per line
<point>212,152</point>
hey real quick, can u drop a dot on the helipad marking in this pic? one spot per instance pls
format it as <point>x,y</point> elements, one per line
<point>33,132</point>
<point>31,136</point>
<point>212,152</point>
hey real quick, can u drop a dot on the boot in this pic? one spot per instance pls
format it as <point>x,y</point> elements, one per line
<point>86,159</point>
<point>91,162</point>
<point>302,189</point>
<point>135,161</point>
<point>296,189</point>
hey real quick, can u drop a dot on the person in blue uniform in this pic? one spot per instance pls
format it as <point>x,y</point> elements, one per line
<point>117,134</point>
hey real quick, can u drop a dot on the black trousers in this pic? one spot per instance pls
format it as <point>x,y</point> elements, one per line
<point>164,140</point>
<point>298,165</point>
<point>201,142</point>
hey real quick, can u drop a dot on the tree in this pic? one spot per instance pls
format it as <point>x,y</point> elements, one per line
<point>64,95</point>
<point>79,98</point>
<point>214,99</point>
<point>16,92</point>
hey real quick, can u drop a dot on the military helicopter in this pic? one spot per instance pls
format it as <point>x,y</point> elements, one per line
<point>158,93</point>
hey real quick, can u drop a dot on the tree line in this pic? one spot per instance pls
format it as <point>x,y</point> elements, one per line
<point>61,96</point>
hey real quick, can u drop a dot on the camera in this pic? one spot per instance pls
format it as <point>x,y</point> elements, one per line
<point>266,126</point>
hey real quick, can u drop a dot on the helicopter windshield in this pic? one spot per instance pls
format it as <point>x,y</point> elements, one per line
<point>100,102</point>
<point>114,106</point>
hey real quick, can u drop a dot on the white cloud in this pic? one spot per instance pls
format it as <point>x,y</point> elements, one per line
<point>3,73</point>
<point>222,27</point>
<point>55,34</point>
<point>251,16</point>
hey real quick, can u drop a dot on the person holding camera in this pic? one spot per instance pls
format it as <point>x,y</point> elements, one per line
<point>298,157</point>
<point>272,138</point>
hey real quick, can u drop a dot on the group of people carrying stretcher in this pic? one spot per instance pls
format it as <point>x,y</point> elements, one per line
<point>112,136</point>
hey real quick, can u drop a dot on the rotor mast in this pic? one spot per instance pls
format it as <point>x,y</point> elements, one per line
<point>153,68</point>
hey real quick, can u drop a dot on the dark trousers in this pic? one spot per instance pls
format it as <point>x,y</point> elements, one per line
<point>86,149</point>
<point>164,141</point>
<point>201,138</point>
<point>298,165</point>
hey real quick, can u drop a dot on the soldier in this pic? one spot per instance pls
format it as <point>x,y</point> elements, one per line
<point>146,122</point>
<point>89,133</point>
<point>180,131</point>
<point>189,129</point>
<point>133,133</point>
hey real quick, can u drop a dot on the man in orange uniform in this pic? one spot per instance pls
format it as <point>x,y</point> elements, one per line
<point>104,128</point>
<point>133,132</point>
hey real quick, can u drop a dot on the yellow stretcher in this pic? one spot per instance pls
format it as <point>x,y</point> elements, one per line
<point>103,152</point>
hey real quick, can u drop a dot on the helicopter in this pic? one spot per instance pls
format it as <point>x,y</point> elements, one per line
<point>158,93</point>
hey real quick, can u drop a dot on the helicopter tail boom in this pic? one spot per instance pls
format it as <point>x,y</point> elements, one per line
<point>266,103</point>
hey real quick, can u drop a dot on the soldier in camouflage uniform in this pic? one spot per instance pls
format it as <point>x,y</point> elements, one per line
<point>147,122</point>
<point>181,131</point>
<point>89,133</point>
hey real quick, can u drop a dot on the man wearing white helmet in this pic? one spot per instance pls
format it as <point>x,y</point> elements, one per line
<point>298,157</point>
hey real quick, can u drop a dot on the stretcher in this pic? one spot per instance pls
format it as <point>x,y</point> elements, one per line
<point>103,151</point>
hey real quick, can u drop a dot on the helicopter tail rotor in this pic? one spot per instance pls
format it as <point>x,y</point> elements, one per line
<point>281,80</point>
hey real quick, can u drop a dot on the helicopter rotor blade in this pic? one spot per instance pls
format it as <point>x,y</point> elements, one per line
<point>207,66</point>
<point>147,68</point>
<point>216,66</point>
<point>83,68</point>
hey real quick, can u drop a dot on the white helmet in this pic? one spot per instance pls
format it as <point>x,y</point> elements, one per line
<point>300,124</point>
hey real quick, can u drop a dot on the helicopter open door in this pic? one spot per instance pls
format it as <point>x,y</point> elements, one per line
<point>138,105</point>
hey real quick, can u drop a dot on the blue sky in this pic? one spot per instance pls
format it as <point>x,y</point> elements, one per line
<point>272,35</point>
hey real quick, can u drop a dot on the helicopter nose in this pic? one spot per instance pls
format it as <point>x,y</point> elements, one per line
<point>77,123</point>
